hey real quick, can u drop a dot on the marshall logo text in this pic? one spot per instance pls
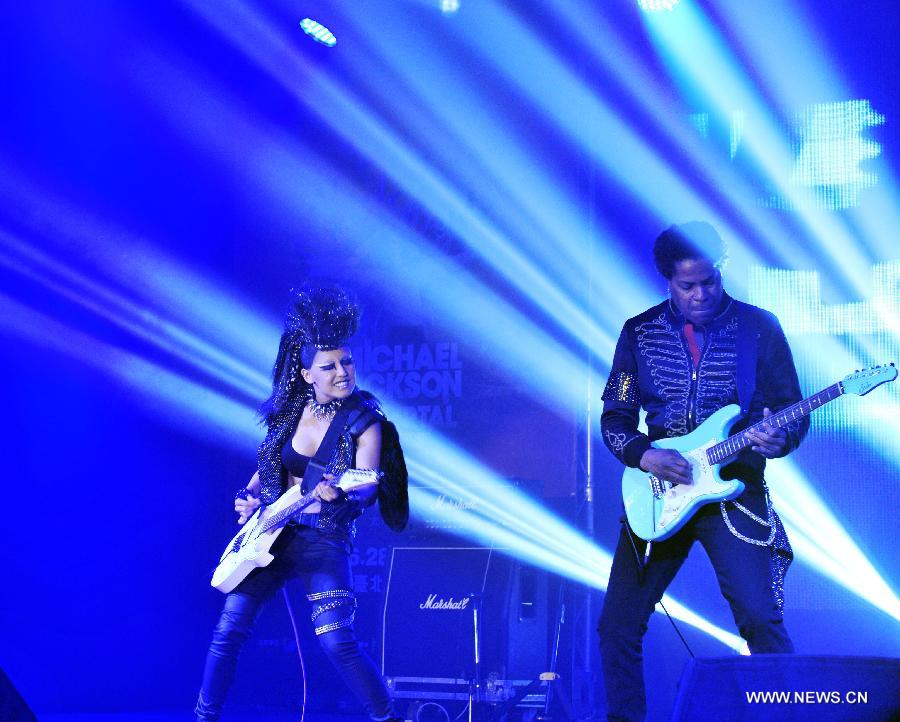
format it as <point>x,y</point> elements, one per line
<point>434,603</point>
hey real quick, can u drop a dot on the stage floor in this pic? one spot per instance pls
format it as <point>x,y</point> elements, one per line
<point>185,716</point>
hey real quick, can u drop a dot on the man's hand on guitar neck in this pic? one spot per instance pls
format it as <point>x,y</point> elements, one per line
<point>766,439</point>
<point>667,464</point>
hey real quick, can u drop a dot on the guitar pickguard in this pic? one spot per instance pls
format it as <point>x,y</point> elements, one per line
<point>705,483</point>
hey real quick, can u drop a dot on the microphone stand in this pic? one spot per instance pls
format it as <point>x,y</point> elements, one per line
<point>475,682</point>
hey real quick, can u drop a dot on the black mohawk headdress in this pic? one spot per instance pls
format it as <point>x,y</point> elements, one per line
<point>318,319</point>
<point>325,318</point>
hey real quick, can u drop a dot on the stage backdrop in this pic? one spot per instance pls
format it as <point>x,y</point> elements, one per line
<point>488,178</point>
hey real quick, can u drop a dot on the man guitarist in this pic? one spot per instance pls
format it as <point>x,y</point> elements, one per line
<point>681,361</point>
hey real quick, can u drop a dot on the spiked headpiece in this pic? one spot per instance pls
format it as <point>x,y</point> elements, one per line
<point>325,318</point>
<point>318,319</point>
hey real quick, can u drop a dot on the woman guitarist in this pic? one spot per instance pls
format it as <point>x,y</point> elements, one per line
<point>314,385</point>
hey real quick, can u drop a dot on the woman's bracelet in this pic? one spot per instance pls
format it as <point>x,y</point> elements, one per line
<point>244,493</point>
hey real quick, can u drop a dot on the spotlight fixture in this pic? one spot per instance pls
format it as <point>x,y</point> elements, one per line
<point>318,32</point>
<point>448,7</point>
<point>652,6</point>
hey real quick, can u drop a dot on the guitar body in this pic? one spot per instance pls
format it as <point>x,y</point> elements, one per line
<point>655,508</point>
<point>249,548</point>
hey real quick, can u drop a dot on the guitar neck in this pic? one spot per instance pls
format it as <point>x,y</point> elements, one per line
<point>279,518</point>
<point>351,479</point>
<point>733,444</point>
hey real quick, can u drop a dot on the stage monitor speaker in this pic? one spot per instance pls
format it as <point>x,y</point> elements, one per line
<point>789,688</point>
<point>12,706</point>
<point>428,629</point>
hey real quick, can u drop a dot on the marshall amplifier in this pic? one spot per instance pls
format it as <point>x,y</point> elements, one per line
<point>432,597</point>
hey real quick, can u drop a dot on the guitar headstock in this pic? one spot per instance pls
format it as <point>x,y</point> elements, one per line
<point>357,478</point>
<point>863,381</point>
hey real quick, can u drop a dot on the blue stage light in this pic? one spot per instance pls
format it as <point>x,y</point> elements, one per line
<point>569,104</point>
<point>829,341</point>
<point>652,6</point>
<point>709,71</point>
<point>142,322</point>
<point>826,172</point>
<point>448,7</point>
<point>488,319</point>
<point>182,402</point>
<point>506,519</point>
<point>431,188</point>
<point>318,32</point>
<point>148,286</point>
<point>830,150</point>
<point>493,513</point>
<point>593,30</point>
<point>822,542</point>
<point>856,334</point>
<point>378,139</point>
<point>522,530</point>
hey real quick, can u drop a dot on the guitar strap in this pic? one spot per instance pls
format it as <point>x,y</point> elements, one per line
<point>319,463</point>
<point>747,343</point>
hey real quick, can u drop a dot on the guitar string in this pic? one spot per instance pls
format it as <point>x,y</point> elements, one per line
<point>304,501</point>
<point>780,419</point>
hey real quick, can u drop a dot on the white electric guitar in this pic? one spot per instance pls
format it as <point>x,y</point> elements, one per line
<point>250,547</point>
<point>657,508</point>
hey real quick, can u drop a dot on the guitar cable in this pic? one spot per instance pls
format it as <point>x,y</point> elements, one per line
<point>641,567</point>
<point>290,611</point>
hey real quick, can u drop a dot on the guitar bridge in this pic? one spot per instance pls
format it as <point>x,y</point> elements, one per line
<point>657,486</point>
